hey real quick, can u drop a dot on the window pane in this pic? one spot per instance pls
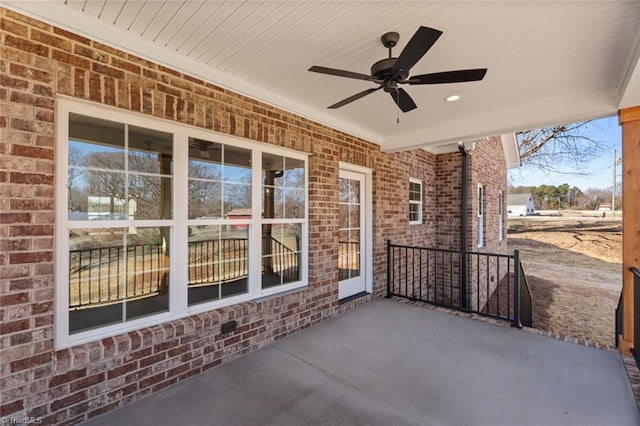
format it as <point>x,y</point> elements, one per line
<point>205,159</point>
<point>149,197</point>
<point>205,199</point>
<point>282,187</point>
<point>415,191</point>
<point>414,213</point>
<point>237,164</point>
<point>116,274</point>
<point>236,196</point>
<point>101,158</point>
<point>294,173</point>
<point>349,191</point>
<point>218,262</point>
<point>293,203</point>
<point>205,179</point>
<point>93,136</point>
<point>343,211</point>
<point>97,195</point>
<point>281,251</point>
<point>150,151</point>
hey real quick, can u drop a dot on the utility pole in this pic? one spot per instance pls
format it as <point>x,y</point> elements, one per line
<point>616,161</point>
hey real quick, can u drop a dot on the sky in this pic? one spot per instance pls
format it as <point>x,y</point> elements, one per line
<point>600,170</point>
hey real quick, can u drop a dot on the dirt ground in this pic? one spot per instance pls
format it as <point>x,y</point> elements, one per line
<point>574,270</point>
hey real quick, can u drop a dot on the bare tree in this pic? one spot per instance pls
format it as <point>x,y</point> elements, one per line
<point>549,148</point>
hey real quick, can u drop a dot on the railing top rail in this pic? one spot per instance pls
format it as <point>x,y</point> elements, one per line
<point>510,256</point>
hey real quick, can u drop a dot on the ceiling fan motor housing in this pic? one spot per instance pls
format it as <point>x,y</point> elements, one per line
<point>383,69</point>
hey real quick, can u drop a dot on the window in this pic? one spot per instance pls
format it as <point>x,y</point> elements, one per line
<point>480,218</point>
<point>158,221</point>
<point>500,215</point>
<point>415,201</point>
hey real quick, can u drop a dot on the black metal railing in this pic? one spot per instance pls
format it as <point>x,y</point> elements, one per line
<point>217,261</point>
<point>97,275</point>
<point>484,283</point>
<point>284,261</point>
<point>636,315</point>
<point>619,317</point>
<point>525,303</point>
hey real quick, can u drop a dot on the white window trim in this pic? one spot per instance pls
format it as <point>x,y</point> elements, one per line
<point>178,294</point>
<point>418,203</point>
<point>480,204</point>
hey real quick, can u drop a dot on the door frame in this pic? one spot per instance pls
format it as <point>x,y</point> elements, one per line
<point>367,226</point>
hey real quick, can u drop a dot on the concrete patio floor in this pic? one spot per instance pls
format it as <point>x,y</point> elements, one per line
<point>391,363</point>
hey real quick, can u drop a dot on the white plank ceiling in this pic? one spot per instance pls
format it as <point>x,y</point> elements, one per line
<point>548,61</point>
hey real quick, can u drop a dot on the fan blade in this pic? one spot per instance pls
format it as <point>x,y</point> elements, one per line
<point>402,99</point>
<point>459,76</point>
<point>419,44</point>
<point>353,98</point>
<point>341,73</point>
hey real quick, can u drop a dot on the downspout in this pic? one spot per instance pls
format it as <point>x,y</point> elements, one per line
<point>463,225</point>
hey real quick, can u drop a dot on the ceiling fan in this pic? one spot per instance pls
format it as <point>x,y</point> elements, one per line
<point>388,73</point>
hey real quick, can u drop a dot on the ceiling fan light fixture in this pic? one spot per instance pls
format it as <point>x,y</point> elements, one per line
<point>452,98</point>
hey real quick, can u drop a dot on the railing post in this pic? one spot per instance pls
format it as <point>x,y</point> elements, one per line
<point>464,302</point>
<point>388,296</point>
<point>516,290</point>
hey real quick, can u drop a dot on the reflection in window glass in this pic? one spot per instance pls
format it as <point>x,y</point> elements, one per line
<point>123,173</point>
<point>281,253</point>
<point>218,261</point>
<point>415,201</point>
<point>349,210</point>
<point>219,180</point>
<point>117,274</point>
<point>283,187</point>
<point>102,158</point>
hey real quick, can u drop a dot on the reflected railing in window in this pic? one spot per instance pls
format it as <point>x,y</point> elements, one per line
<point>97,275</point>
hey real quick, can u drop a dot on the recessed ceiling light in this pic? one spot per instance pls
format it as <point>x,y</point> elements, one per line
<point>452,98</point>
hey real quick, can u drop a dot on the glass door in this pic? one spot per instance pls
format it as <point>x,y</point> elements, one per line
<point>351,241</point>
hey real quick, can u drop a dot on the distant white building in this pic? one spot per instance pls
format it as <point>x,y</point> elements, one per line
<point>604,207</point>
<point>520,205</point>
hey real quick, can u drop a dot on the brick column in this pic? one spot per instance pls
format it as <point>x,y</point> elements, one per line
<point>629,119</point>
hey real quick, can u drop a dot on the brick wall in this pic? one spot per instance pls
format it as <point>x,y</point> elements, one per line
<point>38,62</point>
<point>488,167</point>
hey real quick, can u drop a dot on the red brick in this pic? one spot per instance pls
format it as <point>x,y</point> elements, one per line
<point>14,83</point>
<point>13,27</point>
<point>122,370</point>
<point>30,257</point>
<point>30,230</point>
<point>30,99</point>
<point>7,245</point>
<point>27,46</point>
<point>153,359</point>
<point>30,73</point>
<point>67,377</point>
<point>68,400</point>
<point>126,66</point>
<point>30,178</point>
<point>30,362</point>
<point>15,218</point>
<point>49,39</point>
<point>11,407</point>
<point>13,326</point>
<point>106,70</point>
<point>14,299</point>
<point>21,338</point>
<point>87,382</point>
